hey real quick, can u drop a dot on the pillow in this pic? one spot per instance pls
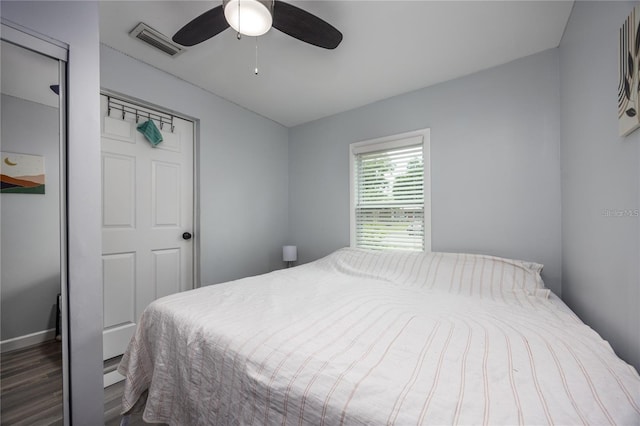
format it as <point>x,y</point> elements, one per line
<point>461,273</point>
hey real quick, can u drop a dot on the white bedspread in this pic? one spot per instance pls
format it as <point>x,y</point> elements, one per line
<point>377,338</point>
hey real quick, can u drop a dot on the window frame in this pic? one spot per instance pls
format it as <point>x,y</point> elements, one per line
<point>416,137</point>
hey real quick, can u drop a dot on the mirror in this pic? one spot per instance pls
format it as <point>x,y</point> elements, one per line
<point>32,237</point>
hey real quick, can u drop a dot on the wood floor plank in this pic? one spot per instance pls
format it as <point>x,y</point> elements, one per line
<point>31,389</point>
<point>31,385</point>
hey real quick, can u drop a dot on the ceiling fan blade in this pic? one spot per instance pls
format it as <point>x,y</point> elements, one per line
<point>202,28</point>
<point>304,26</point>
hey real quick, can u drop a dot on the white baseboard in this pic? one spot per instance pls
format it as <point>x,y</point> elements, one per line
<point>112,378</point>
<point>27,340</point>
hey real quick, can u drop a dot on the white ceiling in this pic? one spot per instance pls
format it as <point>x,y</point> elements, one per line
<point>389,48</point>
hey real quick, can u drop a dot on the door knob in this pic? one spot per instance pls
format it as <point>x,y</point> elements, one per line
<point>186,236</point>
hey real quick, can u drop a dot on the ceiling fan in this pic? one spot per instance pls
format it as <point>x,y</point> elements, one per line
<point>256,17</point>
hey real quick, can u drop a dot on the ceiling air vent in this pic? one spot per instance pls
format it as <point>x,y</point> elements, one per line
<point>156,39</point>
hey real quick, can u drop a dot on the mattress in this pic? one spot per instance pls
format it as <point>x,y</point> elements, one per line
<point>364,337</point>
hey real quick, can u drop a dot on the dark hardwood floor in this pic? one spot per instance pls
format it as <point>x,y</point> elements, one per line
<point>113,405</point>
<point>31,389</point>
<point>31,385</point>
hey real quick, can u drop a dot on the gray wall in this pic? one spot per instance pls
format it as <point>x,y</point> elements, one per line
<point>243,169</point>
<point>77,24</point>
<point>601,281</point>
<point>30,223</point>
<point>495,178</point>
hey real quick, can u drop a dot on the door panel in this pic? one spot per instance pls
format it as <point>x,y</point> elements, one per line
<point>117,128</point>
<point>171,141</point>
<point>118,191</point>
<point>165,205</point>
<point>166,271</point>
<point>147,206</point>
<point>119,279</point>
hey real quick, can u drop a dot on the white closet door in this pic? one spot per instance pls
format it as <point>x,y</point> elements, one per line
<point>147,206</point>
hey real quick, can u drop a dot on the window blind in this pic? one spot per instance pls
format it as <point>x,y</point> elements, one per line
<point>389,204</point>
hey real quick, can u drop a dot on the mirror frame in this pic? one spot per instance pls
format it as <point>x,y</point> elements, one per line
<point>38,43</point>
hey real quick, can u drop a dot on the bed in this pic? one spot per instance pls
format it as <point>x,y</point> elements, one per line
<point>365,337</point>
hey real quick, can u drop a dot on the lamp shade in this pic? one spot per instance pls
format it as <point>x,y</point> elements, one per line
<point>249,17</point>
<point>289,253</point>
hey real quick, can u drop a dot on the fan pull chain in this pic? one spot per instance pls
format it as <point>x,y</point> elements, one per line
<point>255,71</point>
<point>239,36</point>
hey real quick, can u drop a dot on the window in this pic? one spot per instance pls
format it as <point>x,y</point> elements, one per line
<point>390,193</point>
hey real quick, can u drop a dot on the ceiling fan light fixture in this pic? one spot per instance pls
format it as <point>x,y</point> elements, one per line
<point>249,17</point>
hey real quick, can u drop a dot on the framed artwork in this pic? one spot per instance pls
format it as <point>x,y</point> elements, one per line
<point>22,173</point>
<point>629,74</point>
